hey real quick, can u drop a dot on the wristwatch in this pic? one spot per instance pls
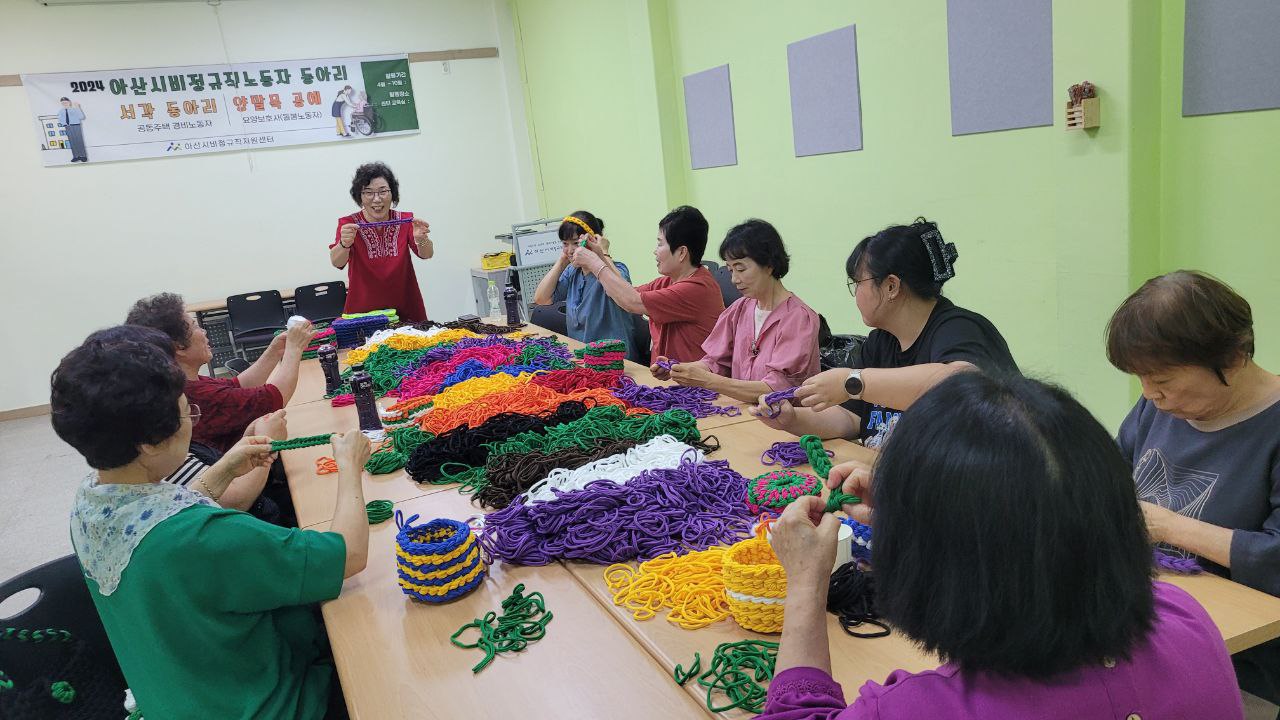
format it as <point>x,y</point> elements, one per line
<point>853,384</point>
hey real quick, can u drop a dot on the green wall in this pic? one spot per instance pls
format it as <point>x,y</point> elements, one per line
<point>1220,195</point>
<point>1054,228</point>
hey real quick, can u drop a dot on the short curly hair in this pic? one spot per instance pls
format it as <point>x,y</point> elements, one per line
<point>760,242</point>
<point>115,392</point>
<point>165,312</point>
<point>367,173</point>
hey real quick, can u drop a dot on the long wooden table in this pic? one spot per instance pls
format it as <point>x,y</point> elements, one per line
<point>313,495</point>
<point>395,659</point>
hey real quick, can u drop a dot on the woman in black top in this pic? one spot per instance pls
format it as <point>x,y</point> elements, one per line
<point>918,338</point>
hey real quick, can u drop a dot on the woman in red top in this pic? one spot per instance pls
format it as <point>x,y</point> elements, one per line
<point>380,273</point>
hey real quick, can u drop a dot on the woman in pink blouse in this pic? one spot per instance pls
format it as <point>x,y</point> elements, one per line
<point>1008,540</point>
<point>768,339</point>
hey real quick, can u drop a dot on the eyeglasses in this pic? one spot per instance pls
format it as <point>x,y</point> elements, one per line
<point>853,284</point>
<point>370,194</point>
<point>193,412</point>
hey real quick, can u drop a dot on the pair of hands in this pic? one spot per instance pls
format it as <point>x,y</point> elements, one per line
<point>589,256</point>
<point>804,537</point>
<point>690,374</point>
<point>822,391</point>
<point>253,451</point>
<point>421,232</point>
<point>298,337</point>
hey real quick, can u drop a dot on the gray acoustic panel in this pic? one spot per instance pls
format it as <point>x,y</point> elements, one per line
<point>1001,63</point>
<point>1231,56</point>
<point>708,106</point>
<point>826,110</point>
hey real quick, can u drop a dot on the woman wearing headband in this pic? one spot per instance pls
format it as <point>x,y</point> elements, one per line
<point>918,338</point>
<point>374,245</point>
<point>590,313</point>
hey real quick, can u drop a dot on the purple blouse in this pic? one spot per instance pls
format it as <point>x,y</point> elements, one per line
<point>785,354</point>
<point>1181,670</point>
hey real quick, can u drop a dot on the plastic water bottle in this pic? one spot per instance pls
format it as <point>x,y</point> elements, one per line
<point>366,405</point>
<point>493,299</point>
<point>511,298</point>
<point>328,356</point>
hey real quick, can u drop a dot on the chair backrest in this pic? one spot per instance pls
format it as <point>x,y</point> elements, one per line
<point>725,280</point>
<point>321,302</point>
<point>641,337</point>
<point>256,312</point>
<point>63,603</point>
<point>551,317</point>
<point>710,265</point>
<point>236,365</point>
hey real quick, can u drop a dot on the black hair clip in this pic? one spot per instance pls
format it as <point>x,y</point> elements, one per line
<point>942,254</point>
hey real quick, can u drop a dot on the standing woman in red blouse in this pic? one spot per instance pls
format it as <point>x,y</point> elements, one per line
<point>374,245</point>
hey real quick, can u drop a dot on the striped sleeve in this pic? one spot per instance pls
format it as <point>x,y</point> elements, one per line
<point>190,470</point>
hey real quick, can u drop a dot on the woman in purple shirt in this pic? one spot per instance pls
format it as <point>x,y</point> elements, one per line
<point>1009,541</point>
<point>765,341</point>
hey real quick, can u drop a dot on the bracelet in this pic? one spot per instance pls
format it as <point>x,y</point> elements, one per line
<point>347,247</point>
<point>207,491</point>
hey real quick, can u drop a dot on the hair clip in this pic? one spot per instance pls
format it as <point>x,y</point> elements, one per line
<point>941,254</point>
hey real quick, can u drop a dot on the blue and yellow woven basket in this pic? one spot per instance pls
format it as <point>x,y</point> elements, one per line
<point>437,561</point>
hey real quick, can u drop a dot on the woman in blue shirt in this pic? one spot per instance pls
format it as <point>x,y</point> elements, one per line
<point>591,314</point>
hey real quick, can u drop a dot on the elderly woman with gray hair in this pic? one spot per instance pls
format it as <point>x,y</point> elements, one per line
<point>1204,438</point>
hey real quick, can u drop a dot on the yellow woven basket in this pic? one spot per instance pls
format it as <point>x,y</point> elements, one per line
<point>755,584</point>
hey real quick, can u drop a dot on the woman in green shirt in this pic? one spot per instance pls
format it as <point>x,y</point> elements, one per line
<point>208,610</point>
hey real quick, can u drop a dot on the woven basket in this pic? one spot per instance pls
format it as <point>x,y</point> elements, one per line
<point>438,561</point>
<point>755,584</point>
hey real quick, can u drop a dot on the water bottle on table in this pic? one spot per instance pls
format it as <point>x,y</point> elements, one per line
<point>493,300</point>
<point>511,298</point>
<point>366,405</point>
<point>327,354</point>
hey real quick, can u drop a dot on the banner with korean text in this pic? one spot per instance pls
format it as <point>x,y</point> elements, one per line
<point>96,116</point>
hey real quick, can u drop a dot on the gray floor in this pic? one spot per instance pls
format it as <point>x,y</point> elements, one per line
<point>38,479</point>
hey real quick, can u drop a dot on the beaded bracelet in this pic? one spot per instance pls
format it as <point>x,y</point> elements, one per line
<point>438,561</point>
<point>774,490</point>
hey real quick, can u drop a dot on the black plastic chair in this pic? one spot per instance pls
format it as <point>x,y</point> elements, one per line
<point>322,302</point>
<point>254,319</point>
<point>552,317</point>
<point>87,662</point>
<point>711,265</point>
<point>641,338</point>
<point>725,280</point>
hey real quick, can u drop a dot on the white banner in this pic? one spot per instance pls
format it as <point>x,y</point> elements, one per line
<point>97,116</point>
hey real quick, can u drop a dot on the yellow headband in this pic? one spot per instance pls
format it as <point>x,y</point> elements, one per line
<point>580,223</point>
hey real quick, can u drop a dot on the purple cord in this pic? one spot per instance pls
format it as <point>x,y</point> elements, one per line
<point>787,454</point>
<point>385,223</point>
<point>692,507</point>
<point>667,364</point>
<point>1181,566</point>
<point>698,401</point>
<point>775,399</point>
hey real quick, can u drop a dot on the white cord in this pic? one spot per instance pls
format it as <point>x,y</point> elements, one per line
<point>662,452</point>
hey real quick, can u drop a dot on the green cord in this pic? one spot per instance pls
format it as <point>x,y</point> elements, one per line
<point>681,676</point>
<point>524,620</point>
<point>379,511</point>
<point>742,671</point>
<point>61,690</point>
<point>300,442</point>
<point>821,465</point>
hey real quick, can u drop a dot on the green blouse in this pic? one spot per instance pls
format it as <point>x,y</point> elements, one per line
<point>213,617</point>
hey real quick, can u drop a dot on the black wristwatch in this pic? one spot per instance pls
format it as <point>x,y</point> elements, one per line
<point>853,384</point>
